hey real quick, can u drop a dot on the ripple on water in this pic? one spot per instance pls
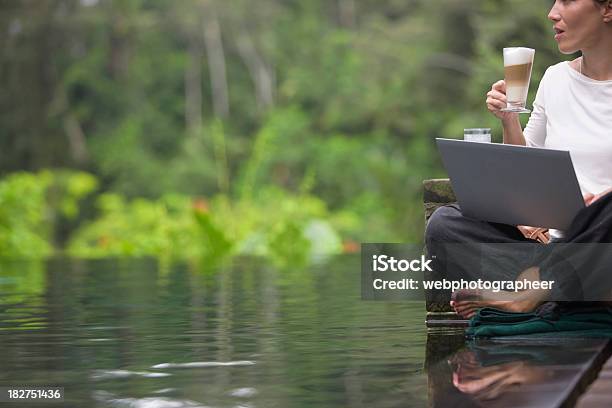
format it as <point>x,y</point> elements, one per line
<point>204,364</point>
<point>149,402</point>
<point>246,392</point>
<point>114,374</point>
<point>164,391</point>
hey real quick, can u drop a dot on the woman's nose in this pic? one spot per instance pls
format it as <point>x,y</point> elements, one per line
<point>553,14</point>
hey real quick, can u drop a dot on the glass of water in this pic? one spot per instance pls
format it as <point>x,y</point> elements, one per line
<point>482,135</point>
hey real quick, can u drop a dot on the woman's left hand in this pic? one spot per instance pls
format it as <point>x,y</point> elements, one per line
<point>591,198</point>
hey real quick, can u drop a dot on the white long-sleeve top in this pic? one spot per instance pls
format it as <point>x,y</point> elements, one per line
<point>574,112</point>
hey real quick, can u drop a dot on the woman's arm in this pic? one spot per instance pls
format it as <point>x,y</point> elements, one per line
<point>513,133</point>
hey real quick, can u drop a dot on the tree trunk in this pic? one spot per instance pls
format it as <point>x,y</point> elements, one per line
<point>76,138</point>
<point>77,144</point>
<point>118,42</point>
<point>216,60</point>
<point>346,13</point>
<point>261,73</point>
<point>193,89</point>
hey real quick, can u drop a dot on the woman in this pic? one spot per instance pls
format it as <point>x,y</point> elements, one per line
<point>572,111</point>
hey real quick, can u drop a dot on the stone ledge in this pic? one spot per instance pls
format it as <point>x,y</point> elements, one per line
<point>437,193</point>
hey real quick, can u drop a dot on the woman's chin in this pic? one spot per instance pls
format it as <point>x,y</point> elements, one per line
<point>565,49</point>
<point>567,52</point>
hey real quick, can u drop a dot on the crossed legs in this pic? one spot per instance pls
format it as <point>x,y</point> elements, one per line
<point>447,227</point>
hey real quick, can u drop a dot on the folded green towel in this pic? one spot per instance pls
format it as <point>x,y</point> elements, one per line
<point>489,322</point>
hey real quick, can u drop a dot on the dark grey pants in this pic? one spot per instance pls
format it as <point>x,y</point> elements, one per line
<point>467,248</point>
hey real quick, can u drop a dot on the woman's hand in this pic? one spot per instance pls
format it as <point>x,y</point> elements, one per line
<point>588,198</point>
<point>496,100</point>
<point>539,234</point>
<point>591,198</point>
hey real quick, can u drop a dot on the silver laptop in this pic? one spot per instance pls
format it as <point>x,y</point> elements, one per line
<point>510,184</point>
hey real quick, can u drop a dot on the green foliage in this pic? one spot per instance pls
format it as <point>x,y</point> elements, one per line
<point>23,230</point>
<point>30,205</point>
<point>67,190</point>
<point>285,224</point>
<point>176,227</point>
<point>216,244</point>
<point>137,228</point>
<point>280,145</point>
<point>332,115</point>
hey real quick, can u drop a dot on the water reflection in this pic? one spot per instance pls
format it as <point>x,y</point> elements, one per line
<point>244,335</point>
<point>109,399</point>
<point>201,364</point>
<point>118,374</point>
<point>524,372</point>
<point>487,382</point>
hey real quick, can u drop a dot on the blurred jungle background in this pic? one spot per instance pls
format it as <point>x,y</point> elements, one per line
<point>291,129</point>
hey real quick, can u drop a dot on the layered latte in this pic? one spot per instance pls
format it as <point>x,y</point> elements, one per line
<point>517,73</point>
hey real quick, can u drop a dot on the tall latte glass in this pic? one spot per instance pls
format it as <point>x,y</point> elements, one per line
<point>517,73</point>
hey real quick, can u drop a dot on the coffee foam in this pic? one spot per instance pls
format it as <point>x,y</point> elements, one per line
<point>518,55</point>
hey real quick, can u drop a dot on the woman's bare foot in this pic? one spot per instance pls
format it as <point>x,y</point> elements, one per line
<point>467,302</point>
<point>521,304</point>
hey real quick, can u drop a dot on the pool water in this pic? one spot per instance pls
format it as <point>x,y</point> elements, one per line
<point>134,333</point>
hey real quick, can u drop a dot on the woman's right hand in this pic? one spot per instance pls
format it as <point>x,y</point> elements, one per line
<point>496,101</point>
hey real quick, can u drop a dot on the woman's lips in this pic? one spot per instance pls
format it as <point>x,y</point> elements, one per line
<point>558,33</point>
